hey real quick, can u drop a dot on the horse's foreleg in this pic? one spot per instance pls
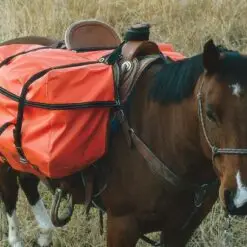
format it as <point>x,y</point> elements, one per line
<point>122,231</point>
<point>9,193</point>
<point>29,184</point>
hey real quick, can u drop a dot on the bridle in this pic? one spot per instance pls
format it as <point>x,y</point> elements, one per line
<point>214,149</point>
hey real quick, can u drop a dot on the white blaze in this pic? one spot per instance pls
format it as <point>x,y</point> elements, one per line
<point>241,195</point>
<point>236,89</point>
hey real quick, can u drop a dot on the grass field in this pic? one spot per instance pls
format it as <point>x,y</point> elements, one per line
<point>187,25</point>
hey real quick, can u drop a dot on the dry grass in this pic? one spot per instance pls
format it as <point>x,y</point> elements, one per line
<point>186,24</point>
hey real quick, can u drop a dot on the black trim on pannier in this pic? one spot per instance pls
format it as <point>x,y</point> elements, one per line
<point>70,106</point>
<point>95,48</point>
<point>8,59</point>
<point>4,127</point>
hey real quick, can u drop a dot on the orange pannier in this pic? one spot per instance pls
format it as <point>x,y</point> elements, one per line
<point>54,108</point>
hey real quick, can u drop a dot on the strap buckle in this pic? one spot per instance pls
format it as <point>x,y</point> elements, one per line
<point>22,159</point>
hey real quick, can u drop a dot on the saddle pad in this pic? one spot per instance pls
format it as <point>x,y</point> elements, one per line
<point>54,108</point>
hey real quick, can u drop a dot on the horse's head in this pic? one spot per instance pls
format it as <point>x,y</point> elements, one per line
<point>222,109</point>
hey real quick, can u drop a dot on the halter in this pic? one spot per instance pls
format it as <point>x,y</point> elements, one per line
<point>215,150</point>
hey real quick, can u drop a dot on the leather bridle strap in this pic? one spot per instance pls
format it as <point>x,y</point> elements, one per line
<point>155,164</point>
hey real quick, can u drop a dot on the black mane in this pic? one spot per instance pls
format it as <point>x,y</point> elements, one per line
<point>176,81</point>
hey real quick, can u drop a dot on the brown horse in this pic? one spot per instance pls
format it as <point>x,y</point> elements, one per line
<point>191,114</point>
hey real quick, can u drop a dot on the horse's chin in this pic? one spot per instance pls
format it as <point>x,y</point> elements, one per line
<point>230,209</point>
<point>242,211</point>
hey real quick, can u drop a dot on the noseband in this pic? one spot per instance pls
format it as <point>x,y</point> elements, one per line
<point>215,150</point>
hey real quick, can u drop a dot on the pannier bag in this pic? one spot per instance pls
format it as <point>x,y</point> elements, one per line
<point>54,108</point>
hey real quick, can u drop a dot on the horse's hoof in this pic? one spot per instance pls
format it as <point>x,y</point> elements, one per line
<point>37,244</point>
<point>17,244</point>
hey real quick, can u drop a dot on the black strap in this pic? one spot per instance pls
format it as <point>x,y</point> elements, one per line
<point>4,127</point>
<point>8,59</point>
<point>150,241</point>
<point>100,48</point>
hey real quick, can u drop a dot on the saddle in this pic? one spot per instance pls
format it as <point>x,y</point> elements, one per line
<point>91,34</point>
<point>96,35</point>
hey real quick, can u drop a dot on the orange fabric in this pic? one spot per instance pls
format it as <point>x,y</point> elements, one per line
<point>168,50</point>
<point>58,142</point>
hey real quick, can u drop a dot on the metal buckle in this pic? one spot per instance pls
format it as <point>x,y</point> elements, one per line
<point>22,159</point>
<point>126,66</point>
<point>121,116</point>
<point>102,60</point>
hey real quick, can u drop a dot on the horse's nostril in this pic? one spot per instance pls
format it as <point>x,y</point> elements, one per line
<point>229,197</point>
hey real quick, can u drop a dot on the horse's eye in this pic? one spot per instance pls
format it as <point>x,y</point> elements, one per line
<point>211,114</point>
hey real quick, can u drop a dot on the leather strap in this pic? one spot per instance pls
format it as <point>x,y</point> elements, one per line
<point>155,164</point>
<point>89,186</point>
<point>130,77</point>
<point>131,49</point>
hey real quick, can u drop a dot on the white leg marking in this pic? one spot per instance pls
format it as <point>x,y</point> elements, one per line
<point>241,194</point>
<point>14,235</point>
<point>44,223</point>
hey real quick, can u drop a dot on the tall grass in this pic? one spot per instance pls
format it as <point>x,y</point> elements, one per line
<point>187,24</point>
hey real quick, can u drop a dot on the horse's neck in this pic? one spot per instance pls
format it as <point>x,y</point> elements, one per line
<point>171,131</point>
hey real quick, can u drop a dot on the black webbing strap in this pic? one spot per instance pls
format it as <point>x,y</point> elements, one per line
<point>4,127</point>
<point>8,59</point>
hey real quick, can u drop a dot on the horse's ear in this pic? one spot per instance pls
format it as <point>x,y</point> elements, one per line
<point>211,57</point>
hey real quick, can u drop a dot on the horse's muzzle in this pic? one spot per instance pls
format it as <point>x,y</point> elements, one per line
<point>231,208</point>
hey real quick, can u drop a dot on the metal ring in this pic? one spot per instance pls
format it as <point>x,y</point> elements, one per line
<point>102,59</point>
<point>126,66</point>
